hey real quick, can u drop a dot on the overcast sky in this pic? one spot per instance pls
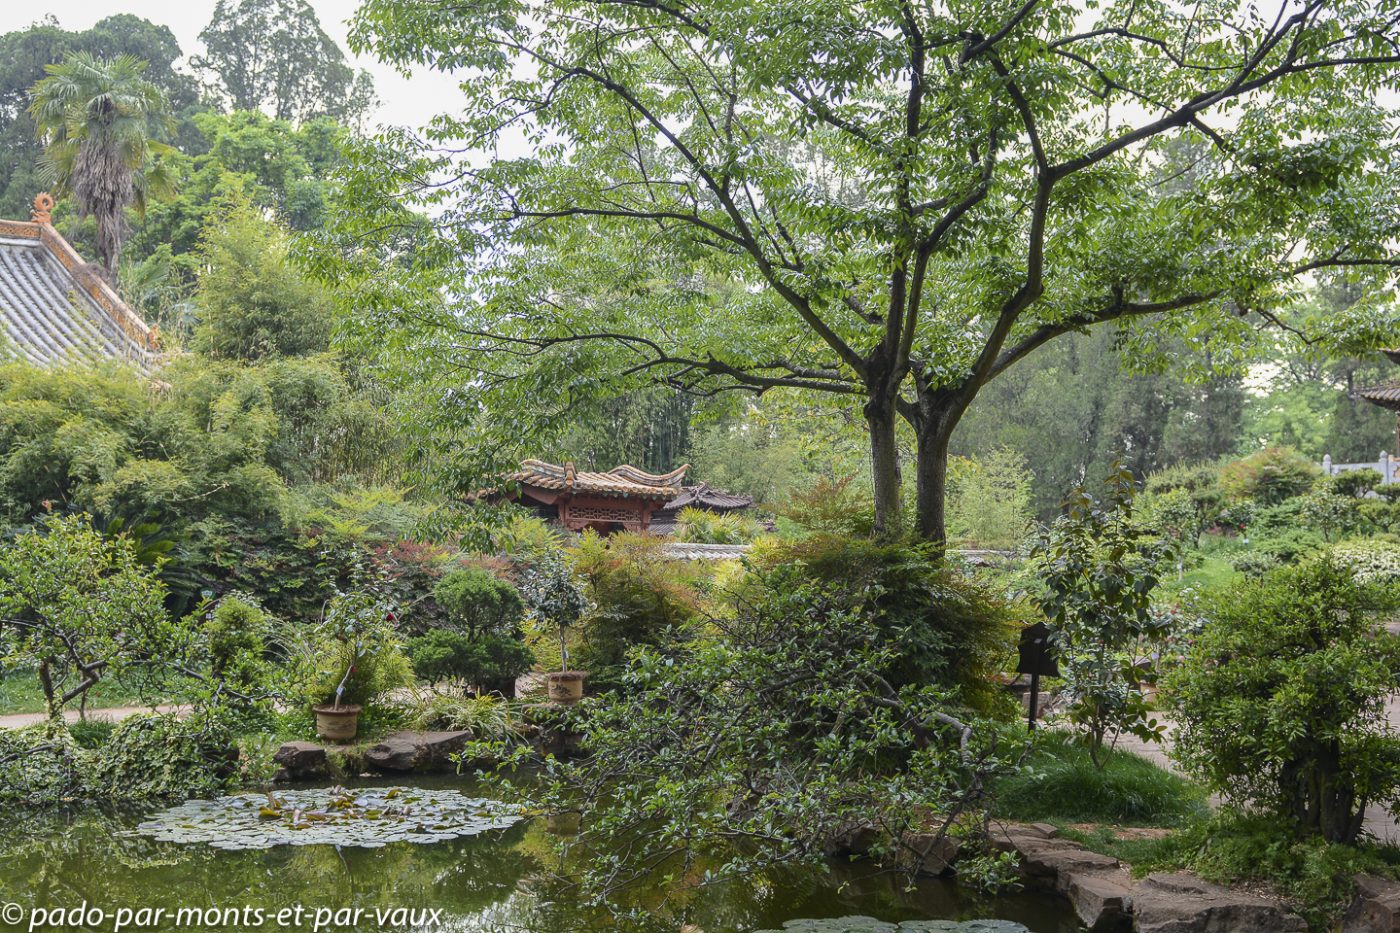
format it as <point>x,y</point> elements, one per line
<point>404,101</point>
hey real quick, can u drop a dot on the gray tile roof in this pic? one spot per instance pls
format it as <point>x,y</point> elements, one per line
<point>685,550</point>
<point>54,309</point>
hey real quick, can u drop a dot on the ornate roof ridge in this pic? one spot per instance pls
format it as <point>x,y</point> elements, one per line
<point>142,338</point>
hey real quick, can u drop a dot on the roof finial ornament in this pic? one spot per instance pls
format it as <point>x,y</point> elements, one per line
<point>43,208</point>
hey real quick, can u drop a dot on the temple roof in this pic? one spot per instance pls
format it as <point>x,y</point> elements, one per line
<point>54,308</point>
<point>703,497</point>
<point>1386,396</point>
<point>624,481</point>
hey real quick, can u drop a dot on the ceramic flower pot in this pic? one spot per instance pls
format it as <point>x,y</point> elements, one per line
<point>566,687</point>
<point>337,723</point>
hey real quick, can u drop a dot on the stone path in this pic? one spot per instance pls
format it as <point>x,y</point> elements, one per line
<point>112,714</point>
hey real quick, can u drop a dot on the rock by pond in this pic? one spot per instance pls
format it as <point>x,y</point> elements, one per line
<point>871,925</point>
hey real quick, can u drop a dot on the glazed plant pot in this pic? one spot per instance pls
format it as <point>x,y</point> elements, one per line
<point>566,687</point>
<point>337,723</point>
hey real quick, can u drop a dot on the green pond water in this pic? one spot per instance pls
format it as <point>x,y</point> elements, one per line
<point>491,880</point>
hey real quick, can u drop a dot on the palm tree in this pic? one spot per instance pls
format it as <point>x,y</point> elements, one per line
<point>100,123</point>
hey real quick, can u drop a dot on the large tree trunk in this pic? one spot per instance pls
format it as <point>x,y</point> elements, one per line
<point>880,418</point>
<point>934,420</point>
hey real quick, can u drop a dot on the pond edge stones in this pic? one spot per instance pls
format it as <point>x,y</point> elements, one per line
<point>1108,900</point>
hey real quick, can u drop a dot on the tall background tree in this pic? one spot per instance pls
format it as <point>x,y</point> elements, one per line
<point>23,55</point>
<point>100,122</point>
<point>894,203</point>
<point>273,55</point>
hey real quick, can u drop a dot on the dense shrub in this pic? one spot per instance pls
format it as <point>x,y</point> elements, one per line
<point>1281,700</point>
<point>1288,545</point>
<point>830,507</point>
<point>1099,573</point>
<point>478,603</point>
<point>236,640</point>
<point>638,596</point>
<point>42,765</point>
<point>1370,561</point>
<point>780,728</point>
<point>166,756</point>
<point>488,662</point>
<point>1355,483</point>
<point>1269,476</point>
<point>942,627</point>
<point>702,527</point>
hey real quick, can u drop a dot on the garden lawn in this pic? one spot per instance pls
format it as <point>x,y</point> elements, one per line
<point>20,693</point>
<point>1061,784</point>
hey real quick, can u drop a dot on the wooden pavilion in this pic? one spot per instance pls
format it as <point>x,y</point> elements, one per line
<point>621,499</point>
<point>1386,395</point>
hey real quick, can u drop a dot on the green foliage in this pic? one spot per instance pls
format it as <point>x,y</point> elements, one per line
<point>354,645</point>
<point>479,602</point>
<point>220,440</point>
<point>101,124</point>
<point>274,55</point>
<point>1060,781</point>
<point>554,596</point>
<point>488,661</point>
<point>1356,483</point>
<point>1231,847</point>
<point>1099,574</point>
<point>638,596</point>
<point>1281,700</point>
<point>79,607</point>
<point>42,765</point>
<point>891,245</point>
<point>252,302</point>
<point>166,756</point>
<point>831,507</point>
<point>1092,388</point>
<point>1269,476</point>
<point>486,717</point>
<point>1328,511</point>
<point>525,537</point>
<point>1370,562</point>
<point>942,628</point>
<point>989,499</point>
<point>702,527</point>
<point>779,728</point>
<point>233,646</point>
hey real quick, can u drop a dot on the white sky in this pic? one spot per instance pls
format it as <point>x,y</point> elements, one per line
<point>406,102</point>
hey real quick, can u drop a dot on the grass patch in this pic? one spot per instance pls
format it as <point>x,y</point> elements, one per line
<point>20,693</point>
<point>1211,573</point>
<point>1061,784</point>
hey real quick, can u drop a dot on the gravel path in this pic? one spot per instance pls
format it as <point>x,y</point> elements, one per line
<point>114,714</point>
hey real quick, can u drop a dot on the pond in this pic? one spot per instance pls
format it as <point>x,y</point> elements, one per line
<point>488,880</point>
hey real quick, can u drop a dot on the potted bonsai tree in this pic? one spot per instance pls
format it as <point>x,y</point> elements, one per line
<point>554,595</point>
<point>354,658</point>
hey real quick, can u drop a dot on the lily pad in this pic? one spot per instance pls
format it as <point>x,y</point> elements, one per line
<point>369,818</point>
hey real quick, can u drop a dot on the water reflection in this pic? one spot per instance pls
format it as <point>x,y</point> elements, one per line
<point>500,881</point>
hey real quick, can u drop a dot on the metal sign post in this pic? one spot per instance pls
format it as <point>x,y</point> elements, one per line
<point>1036,659</point>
